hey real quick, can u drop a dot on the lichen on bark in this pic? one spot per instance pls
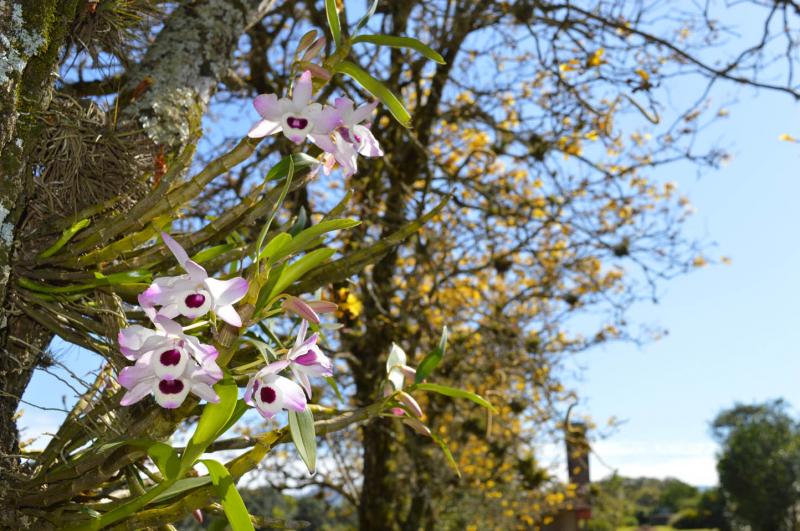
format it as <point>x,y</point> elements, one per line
<point>180,72</point>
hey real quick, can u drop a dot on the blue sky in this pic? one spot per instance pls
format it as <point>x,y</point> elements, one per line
<point>734,330</point>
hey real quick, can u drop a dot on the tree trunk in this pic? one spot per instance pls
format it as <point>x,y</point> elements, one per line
<point>36,30</point>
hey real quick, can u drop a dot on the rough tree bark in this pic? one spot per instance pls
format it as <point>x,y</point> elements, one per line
<point>32,33</point>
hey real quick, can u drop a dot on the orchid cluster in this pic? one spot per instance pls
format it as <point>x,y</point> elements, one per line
<point>341,130</point>
<point>170,364</point>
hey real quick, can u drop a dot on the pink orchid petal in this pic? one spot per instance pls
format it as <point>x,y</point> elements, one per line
<point>169,326</point>
<point>324,142</point>
<point>292,394</point>
<point>140,390</point>
<point>410,403</point>
<point>346,155</point>
<point>196,272</point>
<point>302,90</point>
<point>326,120</point>
<point>345,106</point>
<point>368,146</point>
<point>301,308</point>
<point>268,107</point>
<point>205,391</point>
<point>274,367</point>
<point>363,112</point>
<point>323,306</point>
<point>179,252</point>
<point>131,376</point>
<point>229,315</point>
<point>226,292</point>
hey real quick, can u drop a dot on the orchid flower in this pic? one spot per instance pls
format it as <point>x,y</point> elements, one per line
<point>271,393</point>
<point>307,359</point>
<point>397,369</point>
<point>350,138</point>
<point>297,117</point>
<point>308,310</point>
<point>195,293</point>
<point>169,364</point>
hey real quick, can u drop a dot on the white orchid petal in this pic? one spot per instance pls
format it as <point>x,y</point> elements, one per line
<point>264,128</point>
<point>225,292</point>
<point>205,391</point>
<point>229,315</point>
<point>302,90</point>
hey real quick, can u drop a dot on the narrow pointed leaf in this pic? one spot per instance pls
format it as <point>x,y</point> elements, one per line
<point>377,89</point>
<point>212,421</point>
<point>365,19</point>
<point>232,502</point>
<point>402,42</point>
<point>456,393</point>
<point>300,242</point>
<point>166,459</point>
<point>297,269</point>
<point>301,427</point>
<point>447,453</point>
<point>333,21</point>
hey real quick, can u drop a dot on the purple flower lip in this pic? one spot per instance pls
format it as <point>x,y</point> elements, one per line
<point>170,357</point>
<point>170,387</point>
<point>268,394</point>
<point>195,300</point>
<point>296,123</point>
<point>307,359</point>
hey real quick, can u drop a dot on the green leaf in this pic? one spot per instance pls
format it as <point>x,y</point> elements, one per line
<point>333,21</point>
<point>181,486</point>
<point>212,252</point>
<point>371,11</point>
<point>166,459</point>
<point>278,203</point>
<point>300,161</point>
<point>266,289</point>
<point>213,421</point>
<point>300,223</point>
<point>298,268</point>
<point>240,409</point>
<point>447,453</point>
<point>426,366</point>
<point>232,502</point>
<point>432,360</point>
<point>66,236</point>
<point>402,42</point>
<point>301,426</point>
<point>274,246</point>
<point>377,89</point>
<point>340,206</point>
<point>456,393</point>
<point>335,387</point>
<point>263,348</point>
<point>301,241</point>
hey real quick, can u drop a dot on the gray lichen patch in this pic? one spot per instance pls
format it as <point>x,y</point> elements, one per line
<point>185,70</point>
<point>17,43</point>
<point>6,229</point>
